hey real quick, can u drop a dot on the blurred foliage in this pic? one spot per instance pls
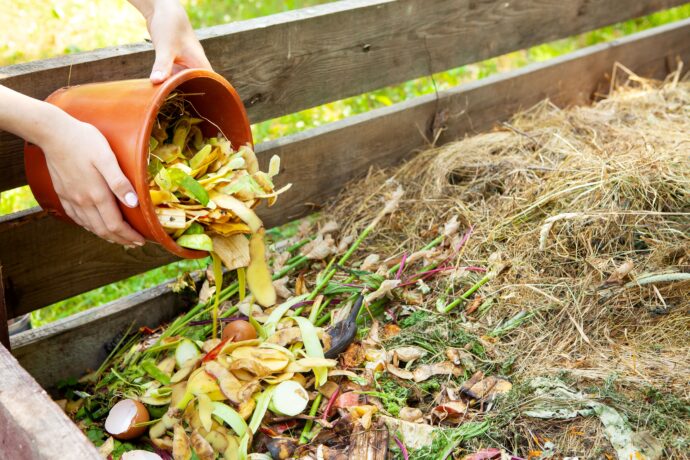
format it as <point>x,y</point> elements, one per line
<point>36,29</point>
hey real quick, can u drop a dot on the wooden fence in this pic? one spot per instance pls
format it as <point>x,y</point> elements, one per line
<point>282,64</point>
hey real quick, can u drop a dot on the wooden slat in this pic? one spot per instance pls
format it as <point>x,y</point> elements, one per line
<point>4,332</point>
<point>70,346</point>
<point>319,162</point>
<point>32,426</point>
<point>291,61</point>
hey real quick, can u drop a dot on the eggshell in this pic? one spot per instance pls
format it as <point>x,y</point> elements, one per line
<point>122,418</point>
<point>140,455</point>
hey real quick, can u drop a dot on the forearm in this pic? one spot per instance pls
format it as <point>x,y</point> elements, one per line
<point>147,7</point>
<point>28,118</point>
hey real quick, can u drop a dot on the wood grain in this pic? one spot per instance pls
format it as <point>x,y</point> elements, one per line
<point>4,332</point>
<point>288,62</point>
<point>369,444</point>
<point>69,347</point>
<point>32,426</point>
<point>46,260</point>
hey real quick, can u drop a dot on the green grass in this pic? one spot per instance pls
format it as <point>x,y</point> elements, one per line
<point>68,26</point>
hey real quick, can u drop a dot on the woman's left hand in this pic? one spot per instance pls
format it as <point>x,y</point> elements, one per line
<point>173,38</point>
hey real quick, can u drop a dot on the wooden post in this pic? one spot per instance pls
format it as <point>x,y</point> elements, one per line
<point>32,426</point>
<point>4,332</point>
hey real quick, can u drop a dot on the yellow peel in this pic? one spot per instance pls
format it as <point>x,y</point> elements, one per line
<point>258,275</point>
<point>233,250</point>
<point>238,208</point>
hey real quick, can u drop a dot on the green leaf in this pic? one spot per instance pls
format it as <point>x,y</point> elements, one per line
<point>200,157</point>
<point>272,321</point>
<point>194,229</point>
<point>244,447</point>
<point>96,436</point>
<point>150,368</point>
<point>242,184</point>
<point>188,184</point>
<point>163,178</point>
<point>200,242</point>
<point>262,403</point>
<point>258,327</point>
<point>313,347</point>
<point>181,131</point>
<point>231,417</point>
<point>154,166</point>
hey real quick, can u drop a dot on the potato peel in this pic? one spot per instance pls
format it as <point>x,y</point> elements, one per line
<point>258,275</point>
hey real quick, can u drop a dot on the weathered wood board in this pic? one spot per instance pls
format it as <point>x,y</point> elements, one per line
<point>288,62</point>
<point>321,161</point>
<point>70,346</point>
<point>32,426</point>
<point>4,332</point>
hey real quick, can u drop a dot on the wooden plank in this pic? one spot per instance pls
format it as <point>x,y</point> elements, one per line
<point>4,332</point>
<point>369,444</point>
<point>32,426</point>
<point>319,162</point>
<point>287,62</point>
<point>70,346</point>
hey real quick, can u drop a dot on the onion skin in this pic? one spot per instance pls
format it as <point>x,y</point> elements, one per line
<point>142,416</point>
<point>238,331</point>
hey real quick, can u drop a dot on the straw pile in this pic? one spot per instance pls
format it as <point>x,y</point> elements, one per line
<point>589,208</point>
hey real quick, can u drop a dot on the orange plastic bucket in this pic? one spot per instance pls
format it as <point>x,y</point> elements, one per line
<point>124,111</point>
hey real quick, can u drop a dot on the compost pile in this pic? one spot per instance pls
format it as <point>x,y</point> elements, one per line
<point>524,293</point>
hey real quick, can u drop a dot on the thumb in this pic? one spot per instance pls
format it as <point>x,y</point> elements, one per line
<point>117,181</point>
<point>162,67</point>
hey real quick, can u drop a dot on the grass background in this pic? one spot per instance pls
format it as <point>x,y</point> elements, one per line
<point>37,29</point>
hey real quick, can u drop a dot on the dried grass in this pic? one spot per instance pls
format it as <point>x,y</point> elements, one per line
<point>567,196</point>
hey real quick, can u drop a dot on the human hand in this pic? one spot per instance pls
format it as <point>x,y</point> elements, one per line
<point>173,38</point>
<point>87,178</point>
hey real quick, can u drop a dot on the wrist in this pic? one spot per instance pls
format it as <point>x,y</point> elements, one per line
<point>51,121</point>
<point>148,8</point>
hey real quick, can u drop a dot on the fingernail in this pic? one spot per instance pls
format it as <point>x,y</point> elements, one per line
<point>157,75</point>
<point>131,199</point>
<point>129,246</point>
<point>111,242</point>
<point>139,243</point>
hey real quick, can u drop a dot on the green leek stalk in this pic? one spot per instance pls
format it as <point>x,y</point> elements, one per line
<point>306,432</point>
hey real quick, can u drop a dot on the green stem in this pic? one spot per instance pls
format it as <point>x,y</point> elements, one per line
<point>324,319</point>
<point>467,294</point>
<point>328,273</point>
<point>376,308</point>
<point>356,244</point>
<point>299,244</point>
<point>315,312</point>
<point>306,432</point>
<point>289,267</point>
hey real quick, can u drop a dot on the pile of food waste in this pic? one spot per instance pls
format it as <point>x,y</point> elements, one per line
<point>520,294</point>
<point>204,191</point>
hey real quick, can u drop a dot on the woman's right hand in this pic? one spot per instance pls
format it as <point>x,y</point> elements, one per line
<point>88,179</point>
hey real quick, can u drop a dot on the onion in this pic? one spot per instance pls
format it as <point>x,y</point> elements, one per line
<point>238,331</point>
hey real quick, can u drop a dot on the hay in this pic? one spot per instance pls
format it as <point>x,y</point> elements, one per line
<point>567,197</point>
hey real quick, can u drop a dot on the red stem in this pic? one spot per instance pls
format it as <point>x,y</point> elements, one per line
<point>330,403</point>
<point>402,266</point>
